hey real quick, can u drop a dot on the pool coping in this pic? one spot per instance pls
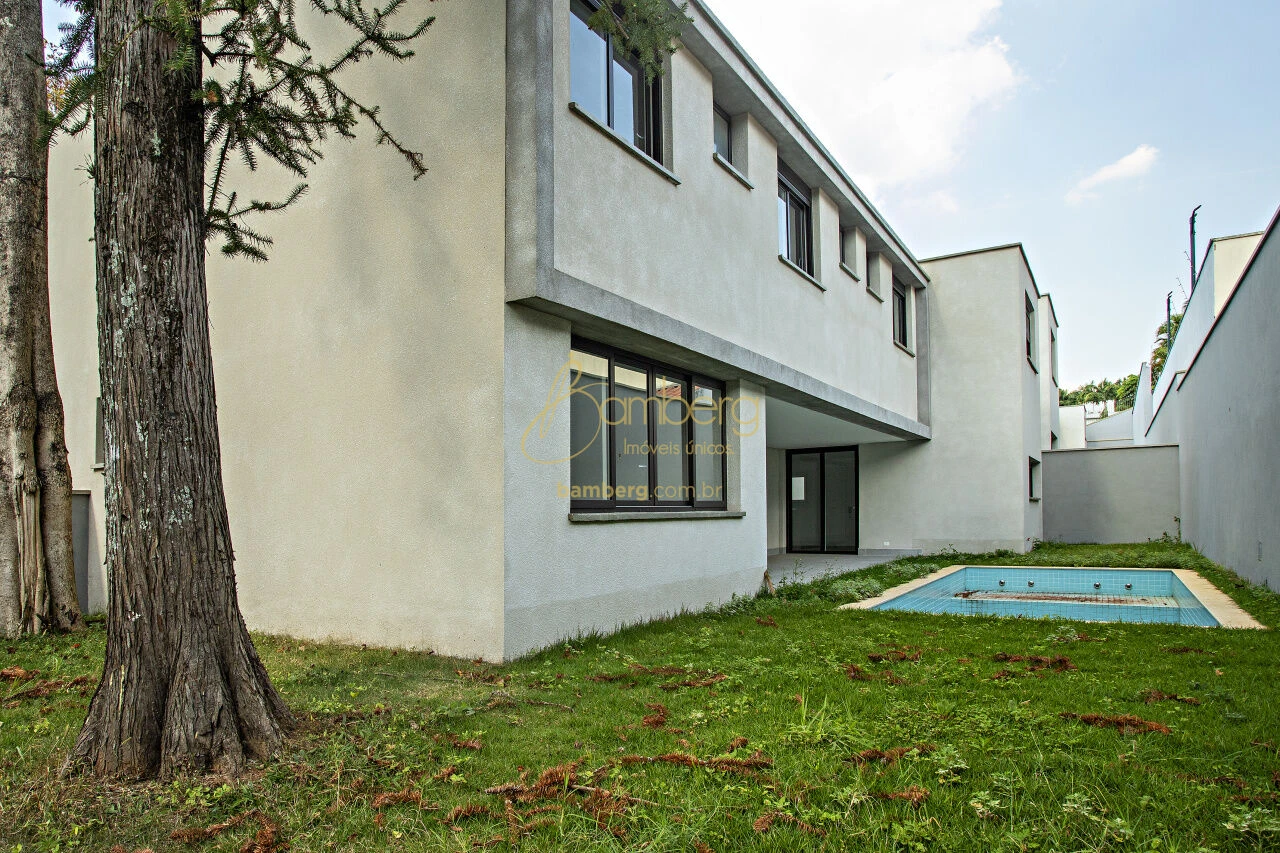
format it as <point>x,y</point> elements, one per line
<point>1220,605</point>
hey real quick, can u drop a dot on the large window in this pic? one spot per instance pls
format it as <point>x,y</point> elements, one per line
<point>642,435</point>
<point>795,219</point>
<point>900,324</point>
<point>611,85</point>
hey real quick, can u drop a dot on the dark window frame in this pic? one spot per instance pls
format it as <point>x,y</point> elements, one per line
<point>1033,479</point>
<point>718,111</point>
<point>1031,332</point>
<point>901,326</point>
<point>822,497</point>
<point>615,356</point>
<point>798,199</point>
<point>651,93</point>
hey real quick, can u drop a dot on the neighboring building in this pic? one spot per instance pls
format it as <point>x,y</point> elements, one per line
<point>622,341</point>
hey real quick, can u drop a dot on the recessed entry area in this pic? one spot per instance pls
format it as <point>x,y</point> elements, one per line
<point>822,500</point>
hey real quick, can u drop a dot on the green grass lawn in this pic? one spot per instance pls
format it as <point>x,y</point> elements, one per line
<point>743,728</point>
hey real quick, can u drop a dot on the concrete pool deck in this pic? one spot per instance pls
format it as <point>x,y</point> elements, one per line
<point>1220,605</point>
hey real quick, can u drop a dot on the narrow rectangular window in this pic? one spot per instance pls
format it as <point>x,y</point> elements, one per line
<point>1053,357</point>
<point>1033,479</point>
<point>643,435</point>
<point>1031,330</point>
<point>723,138</point>
<point>100,434</point>
<point>611,84</point>
<point>589,464</point>
<point>900,325</point>
<point>795,219</point>
<point>707,416</point>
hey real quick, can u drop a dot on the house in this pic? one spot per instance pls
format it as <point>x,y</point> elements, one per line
<point>623,340</point>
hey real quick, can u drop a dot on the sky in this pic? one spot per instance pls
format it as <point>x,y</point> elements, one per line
<point>1086,130</point>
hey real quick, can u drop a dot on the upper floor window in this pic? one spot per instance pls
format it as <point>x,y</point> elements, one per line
<point>723,136</point>
<point>1053,357</point>
<point>900,327</point>
<point>795,219</point>
<point>611,85</point>
<point>1031,330</point>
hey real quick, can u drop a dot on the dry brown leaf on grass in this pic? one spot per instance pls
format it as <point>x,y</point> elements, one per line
<point>889,757</point>
<point>467,811</point>
<point>472,743</point>
<point>408,795</point>
<point>265,840</point>
<point>857,673</point>
<point>915,795</point>
<point>17,673</point>
<point>1124,723</point>
<point>766,821</point>
<point>767,622</point>
<point>658,718</point>
<point>1152,696</point>
<point>699,847</point>
<point>737,744</point>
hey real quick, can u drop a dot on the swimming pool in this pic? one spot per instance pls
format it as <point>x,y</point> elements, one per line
<point>1168,596</point>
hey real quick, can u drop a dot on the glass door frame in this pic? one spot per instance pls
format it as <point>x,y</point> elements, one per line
<point>822,497</point>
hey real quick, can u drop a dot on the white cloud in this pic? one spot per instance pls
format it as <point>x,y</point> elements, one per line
<point>890,86</point>
<point>1132,165</point>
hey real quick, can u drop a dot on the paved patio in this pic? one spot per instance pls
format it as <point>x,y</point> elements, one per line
<point>807,567</point>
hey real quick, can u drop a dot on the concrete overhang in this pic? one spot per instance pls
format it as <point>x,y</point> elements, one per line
<point>613,319</point>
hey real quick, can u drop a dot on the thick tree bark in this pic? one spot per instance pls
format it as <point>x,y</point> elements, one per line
<point>182,688</point>
<point>37,572</point>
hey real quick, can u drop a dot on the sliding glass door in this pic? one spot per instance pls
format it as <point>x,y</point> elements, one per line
<point>822,500</point>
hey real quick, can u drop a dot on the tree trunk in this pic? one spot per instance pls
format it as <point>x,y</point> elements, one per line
<point>37,572</point>
<point>182,688</point>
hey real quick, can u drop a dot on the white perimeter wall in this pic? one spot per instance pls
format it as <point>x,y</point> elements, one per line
<point>1224,415</point>
<point>1120,494</point>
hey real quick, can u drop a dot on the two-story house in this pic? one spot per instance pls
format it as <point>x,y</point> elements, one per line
<point>622,341</point>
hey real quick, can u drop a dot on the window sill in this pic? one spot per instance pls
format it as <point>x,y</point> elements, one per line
<point>907,350</point>
<point>801,272</point>
<point>1034,369</point>
<point>1034,500</point>
<point>677,515</point>
<point>623,143</point>
<point>732,170</point>
<point>874,295</point>
<point>848,270</point>
<point>100,467</point>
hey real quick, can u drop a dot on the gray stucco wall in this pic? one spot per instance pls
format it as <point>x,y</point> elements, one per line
<point>1224,412</point>
<point>1120,494</point>
<point>967,487</point>
<point>565,578</point>
<point>359,372</point>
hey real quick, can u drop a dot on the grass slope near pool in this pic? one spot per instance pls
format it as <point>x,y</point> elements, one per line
<point>1002,768</point>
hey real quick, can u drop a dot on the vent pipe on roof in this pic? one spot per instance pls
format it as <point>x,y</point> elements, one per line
<point>1193,247</point>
